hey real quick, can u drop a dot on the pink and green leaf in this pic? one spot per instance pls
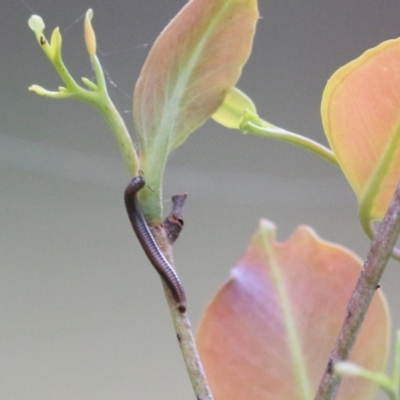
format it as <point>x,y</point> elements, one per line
<point>269,331</point>
<point>361,118</point>
<point>194,62</point>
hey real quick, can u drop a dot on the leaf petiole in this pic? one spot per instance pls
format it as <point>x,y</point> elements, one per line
<point>251,123</point>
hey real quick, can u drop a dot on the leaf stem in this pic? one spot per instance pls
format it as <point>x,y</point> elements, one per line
<point>396,369</point>
<point>262,128</point>
<point>380,379</point>
<point>121,134</point>
<point>380,251</point>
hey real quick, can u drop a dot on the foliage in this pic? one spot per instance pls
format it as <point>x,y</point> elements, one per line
<point>268,332</point>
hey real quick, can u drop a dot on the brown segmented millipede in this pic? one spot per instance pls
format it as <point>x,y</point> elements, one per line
<point>149,245</point>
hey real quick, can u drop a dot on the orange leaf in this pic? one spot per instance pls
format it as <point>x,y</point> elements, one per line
<point>269,331</point>
<point>361,116</point>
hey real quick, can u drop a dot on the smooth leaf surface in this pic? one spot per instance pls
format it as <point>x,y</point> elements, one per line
<point>191,66</point>
<point>232,110</point>
<point>361,116</point>
<point>280,312</point>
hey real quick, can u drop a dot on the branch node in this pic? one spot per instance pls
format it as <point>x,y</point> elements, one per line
<point>173,224</point>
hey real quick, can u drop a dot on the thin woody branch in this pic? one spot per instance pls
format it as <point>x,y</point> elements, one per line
<point>380,251</point>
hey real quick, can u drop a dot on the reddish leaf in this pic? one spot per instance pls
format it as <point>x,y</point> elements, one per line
<point>194,62</point>
<point>268,332</point>
<point>361,116</point>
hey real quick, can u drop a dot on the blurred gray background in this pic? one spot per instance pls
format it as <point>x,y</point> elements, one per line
<point>82,312</point>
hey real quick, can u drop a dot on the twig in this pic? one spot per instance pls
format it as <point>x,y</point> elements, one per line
<point>378,256</point>
<point>183,328</point>
<point>157,245</point>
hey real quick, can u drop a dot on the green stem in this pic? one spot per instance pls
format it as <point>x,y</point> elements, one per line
<point>263,128</point>
<point>118,127</point>
<point>97,95</point>
<point>380,379</point>
<point>114,120</point>
<point>396,368</point>
<point>53,53</point>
